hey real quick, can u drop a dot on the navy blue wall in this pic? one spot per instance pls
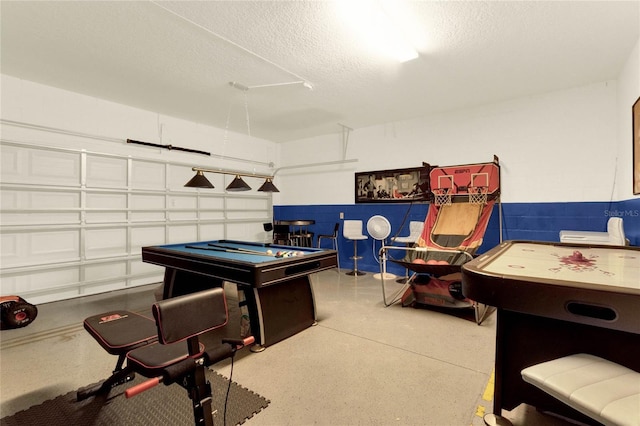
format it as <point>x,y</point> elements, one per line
<point>520,221</point>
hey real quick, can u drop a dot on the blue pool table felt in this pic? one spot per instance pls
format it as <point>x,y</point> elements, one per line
<point>207,250</point>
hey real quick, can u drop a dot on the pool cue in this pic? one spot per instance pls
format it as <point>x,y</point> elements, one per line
<point>256,253</point>
<point>238,249</point>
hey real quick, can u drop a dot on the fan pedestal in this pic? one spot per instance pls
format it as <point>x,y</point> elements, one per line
<point>384,276</point>
<point>379,228</point>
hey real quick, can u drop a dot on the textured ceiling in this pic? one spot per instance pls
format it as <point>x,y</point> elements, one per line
<point>177,58</point>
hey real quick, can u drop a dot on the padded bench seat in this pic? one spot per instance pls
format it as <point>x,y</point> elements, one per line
<point>605,391</point>
<point>118,332</point>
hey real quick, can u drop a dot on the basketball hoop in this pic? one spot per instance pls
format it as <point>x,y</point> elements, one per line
<point>478,194</point>
<point>442,196</point>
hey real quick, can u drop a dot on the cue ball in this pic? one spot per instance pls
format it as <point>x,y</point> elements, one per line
<point>269,252</point>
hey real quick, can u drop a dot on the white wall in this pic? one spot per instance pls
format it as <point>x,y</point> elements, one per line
<point>569,145</point>
<point>559,146</point>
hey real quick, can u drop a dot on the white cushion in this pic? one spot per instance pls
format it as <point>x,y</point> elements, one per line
<point>415,231</point>
<point>352,230</point>
<point>613,237</point>
<point>601,389</point>
<point>405,240</point>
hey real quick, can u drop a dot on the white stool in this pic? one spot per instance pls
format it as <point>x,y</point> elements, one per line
<point>352,230</point>
<point>415,230</point>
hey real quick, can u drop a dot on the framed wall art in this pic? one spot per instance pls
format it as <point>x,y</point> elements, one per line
<point>636,147</point>
<point>393,186</point>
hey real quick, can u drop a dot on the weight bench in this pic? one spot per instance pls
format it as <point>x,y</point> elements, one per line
<point>167,350</point>
<point>605,391</point>
<point>118,332</point>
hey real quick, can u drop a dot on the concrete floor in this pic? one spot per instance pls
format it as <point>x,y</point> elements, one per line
<point>363,363</point>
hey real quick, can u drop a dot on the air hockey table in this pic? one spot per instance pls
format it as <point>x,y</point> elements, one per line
<point>277,290</point>
<point>553,300</point>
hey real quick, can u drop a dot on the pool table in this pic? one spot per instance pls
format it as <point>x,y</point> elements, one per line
<point>277,290</point>
<point>554,300</point>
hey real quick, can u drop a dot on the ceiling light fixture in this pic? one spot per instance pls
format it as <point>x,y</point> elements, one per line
<point>383,26</point>
<point>237,184</point>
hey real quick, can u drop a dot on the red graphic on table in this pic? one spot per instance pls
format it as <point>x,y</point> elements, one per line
<point>577,262</point>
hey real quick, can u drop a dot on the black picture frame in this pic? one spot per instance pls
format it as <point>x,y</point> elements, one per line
<point>636,146</point>
<point>406,185</point>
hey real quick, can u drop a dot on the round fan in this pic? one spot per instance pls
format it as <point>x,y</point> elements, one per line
<point>379,228</point>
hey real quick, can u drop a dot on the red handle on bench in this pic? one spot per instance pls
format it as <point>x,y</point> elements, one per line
<point>248,341</point>
<point>240,343</point>
<point>146,385</point>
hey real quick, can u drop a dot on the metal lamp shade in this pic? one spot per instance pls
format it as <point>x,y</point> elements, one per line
<point>268,186</point>
<point>199,181</point>
<point>237,184</point>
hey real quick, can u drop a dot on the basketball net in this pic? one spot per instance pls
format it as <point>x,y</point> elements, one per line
<point>442,196</point>
<point>478,194</point>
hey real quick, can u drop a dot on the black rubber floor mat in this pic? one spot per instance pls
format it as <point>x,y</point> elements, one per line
<point>161,405</point>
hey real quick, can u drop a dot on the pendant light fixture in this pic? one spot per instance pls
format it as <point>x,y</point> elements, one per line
<point>199,181</point>
<point>268,186</point>
<point>237,184</point>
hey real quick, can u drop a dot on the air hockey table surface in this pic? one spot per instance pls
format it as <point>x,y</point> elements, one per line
<point>597,285</point>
